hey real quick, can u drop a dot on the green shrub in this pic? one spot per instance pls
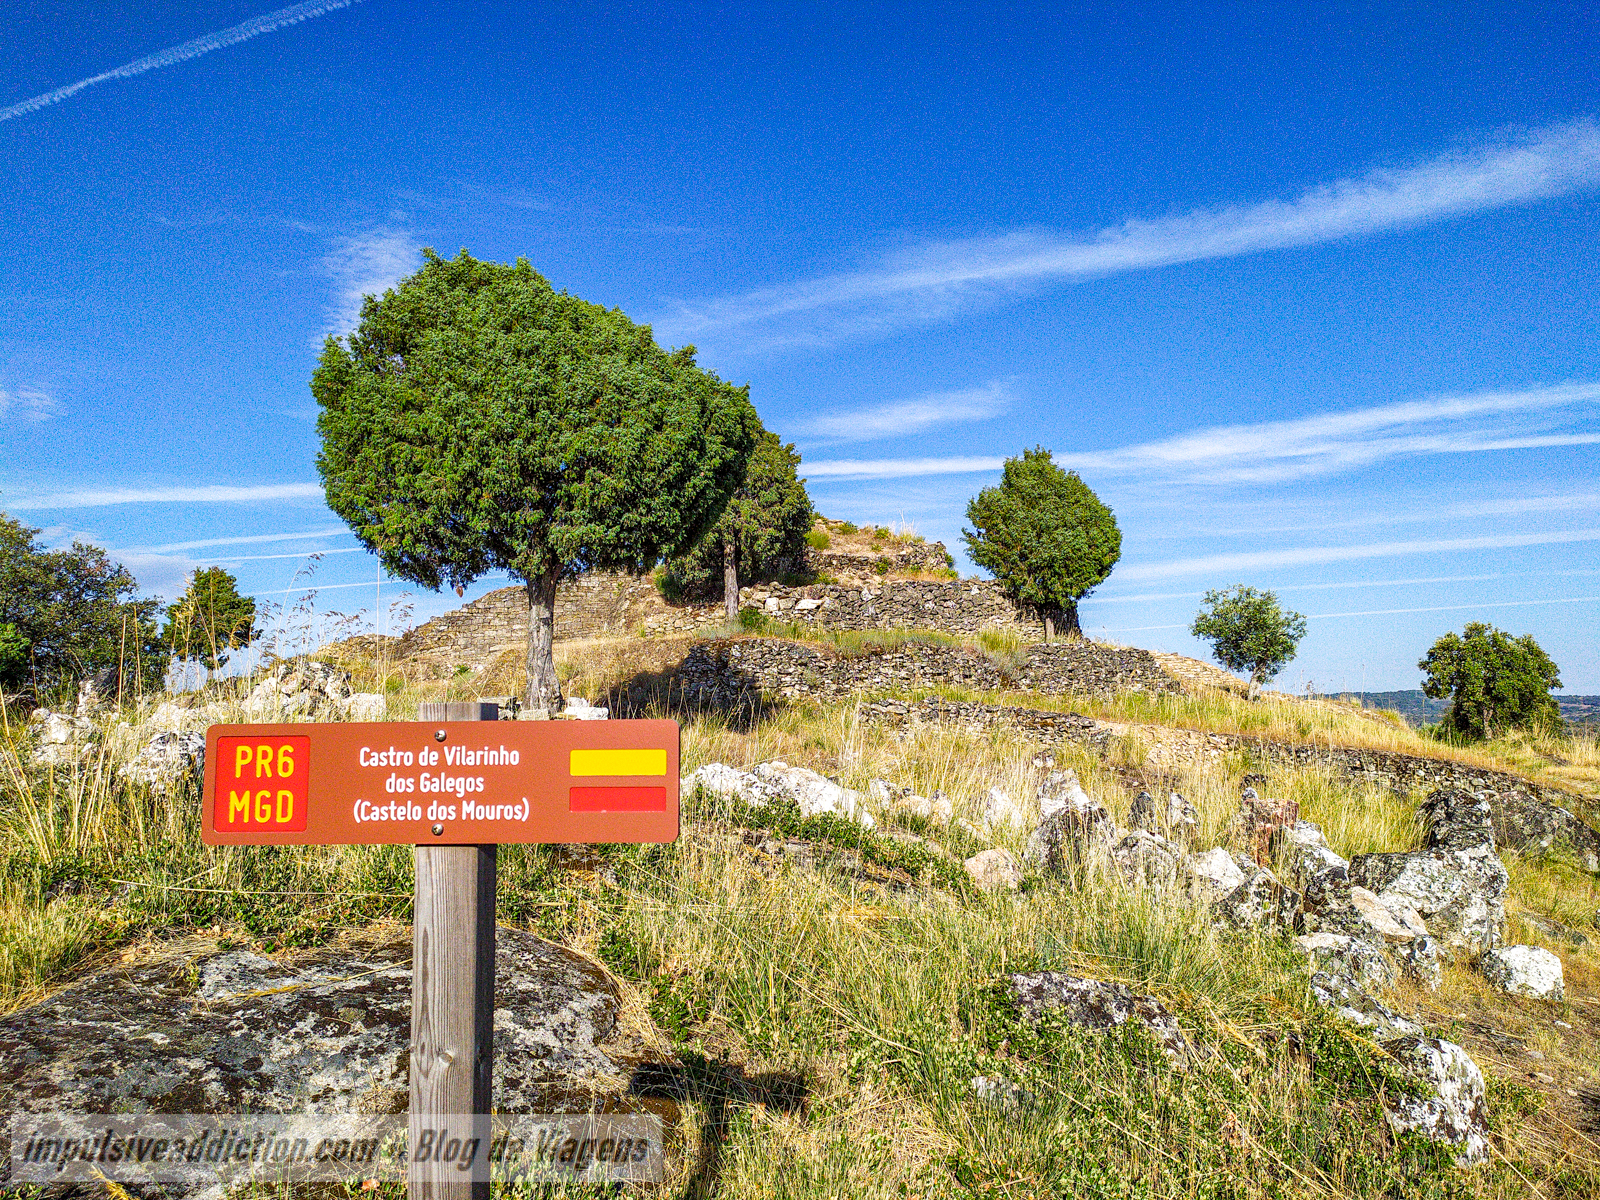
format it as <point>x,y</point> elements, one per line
<point>818,539</point>
<point>847,527</point>
<point>753,620</point>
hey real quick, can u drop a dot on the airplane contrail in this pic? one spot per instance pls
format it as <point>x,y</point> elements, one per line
<point>203,44</point>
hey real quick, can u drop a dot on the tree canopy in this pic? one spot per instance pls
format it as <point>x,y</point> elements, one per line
<point>761,534</point>
<point>479,420</point>
<point>211,619</point>
<point>1248,631</point>
<point>1495,681</point>
<point>66,614</point>
<point>1045,535</point>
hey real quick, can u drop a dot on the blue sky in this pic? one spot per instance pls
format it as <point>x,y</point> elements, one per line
<point>1307,295</point>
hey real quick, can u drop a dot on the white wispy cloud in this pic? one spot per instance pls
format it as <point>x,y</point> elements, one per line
<point>102,497</point>
<point>366,264</point>
<point>916,415</point>
<point>204,44</point>
<point>1296,556</point>
<point>29,404</point>
<point>938,279</point>
<point>899,468</point>
<point>1276,451</point>
<point>247,540</point>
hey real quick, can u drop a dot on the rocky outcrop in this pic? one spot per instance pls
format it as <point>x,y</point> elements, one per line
<point>811,793</point>
<point>1456,882</point>
<point>1453,1110</point>
<point>994,870</point>
<point>227,1031</point>
<point>1099,1006</point>
<point>169,758</point>
<point>961,606</point>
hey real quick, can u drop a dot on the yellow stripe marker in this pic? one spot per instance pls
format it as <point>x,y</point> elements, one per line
<point>619,762</point>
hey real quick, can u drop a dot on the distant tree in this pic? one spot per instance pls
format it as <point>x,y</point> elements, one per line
<point>67,614</point>
<point>1495,681</point>
<point>762,532</point>
<point>1045,535</point>
<point>211,619</point>
<point>1249,632</point>
<point>479,420</point>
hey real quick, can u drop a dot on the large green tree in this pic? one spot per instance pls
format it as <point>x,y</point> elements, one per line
<point>761,534</point>
<point>1495,681</point>
<point>1045,535</point>
<point>66,614</point>
<point>1249,631</point>
<point>211,619</point>
<point>479,420</point>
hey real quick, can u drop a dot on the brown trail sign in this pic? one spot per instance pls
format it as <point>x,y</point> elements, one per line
<point>455,784</point>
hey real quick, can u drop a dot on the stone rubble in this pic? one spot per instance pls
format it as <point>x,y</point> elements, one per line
<point>168,758</point>
<point>1456,1113</point>
<point>769,781</point>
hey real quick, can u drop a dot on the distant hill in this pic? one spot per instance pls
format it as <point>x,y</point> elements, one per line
<point>1417,709</point>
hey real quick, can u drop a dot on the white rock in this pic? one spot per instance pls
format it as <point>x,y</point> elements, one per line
<point>1456,1114</point>
<point>1000,811</point>
<point>1396,920</point>
<point>814,793</point>
<point>579,709</point>
<point>367,706</point>
<point>1060,791</point>
<point>1212,874</point>
<point>167,757</point>
<point>807,604</point>
<point>994,870</point>
<point>59,728</point>
<point>1524,971</point>
<point>719,779</point>
<point>938,809</point>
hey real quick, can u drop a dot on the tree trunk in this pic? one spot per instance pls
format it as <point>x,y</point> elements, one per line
<point>544,690</point>
<point>1049,626</point>
<point>1255,685</point>
<point>730,580</point>
<point>1069,622</point>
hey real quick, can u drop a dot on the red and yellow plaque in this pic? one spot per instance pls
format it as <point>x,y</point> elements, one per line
<point>451,783</point>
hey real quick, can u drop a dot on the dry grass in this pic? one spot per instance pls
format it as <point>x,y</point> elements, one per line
<point>828,1022</point>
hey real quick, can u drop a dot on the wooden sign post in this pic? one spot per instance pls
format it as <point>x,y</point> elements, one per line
<point>455,786</point>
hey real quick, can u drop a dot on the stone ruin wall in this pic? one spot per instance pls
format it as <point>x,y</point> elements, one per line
<point>605,605</point>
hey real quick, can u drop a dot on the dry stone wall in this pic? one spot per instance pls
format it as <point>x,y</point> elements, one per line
<point>744,672</point>
<point>953,606</point>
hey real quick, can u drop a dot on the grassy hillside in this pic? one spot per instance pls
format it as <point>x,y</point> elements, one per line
<point>830,1009</point>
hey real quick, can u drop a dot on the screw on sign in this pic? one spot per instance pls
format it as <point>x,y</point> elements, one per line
<point>455,784</point>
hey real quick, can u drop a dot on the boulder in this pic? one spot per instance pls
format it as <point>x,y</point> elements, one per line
<point>1212,875</point>
<point>1001,813</point>
<point>934,808</point>
<point>1059,791</point>
<point>995,870</point>
<point>168,758</point>
<point>721,780</point>
<point>1524,971</point>
<point>1309,863</point>
<point>1456,882</point>
<point>1260,900</point>
<point>1182,822</point>
<point>1454,1112</point>
<point>1555,930</point>
<point>1422,961</point>
<point>813,793</point>
<point>1347,999</point>
<point>1142,813</point>
<point>1338,954</point>
<point>1395,921</point>
<point>324,1031</point>
<point>1097,1005</point>
<point>1260,824</point>
<point>1076,832</point>
<point>1147,859</point>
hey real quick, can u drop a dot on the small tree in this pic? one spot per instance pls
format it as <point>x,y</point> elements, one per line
<point>1495,681</point>
<point>479,420</point>
<point>70,614</point>
<point>211,619</point>
<point>762,532</point>
<point>1249,632</point>
<point>1045,535</point>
